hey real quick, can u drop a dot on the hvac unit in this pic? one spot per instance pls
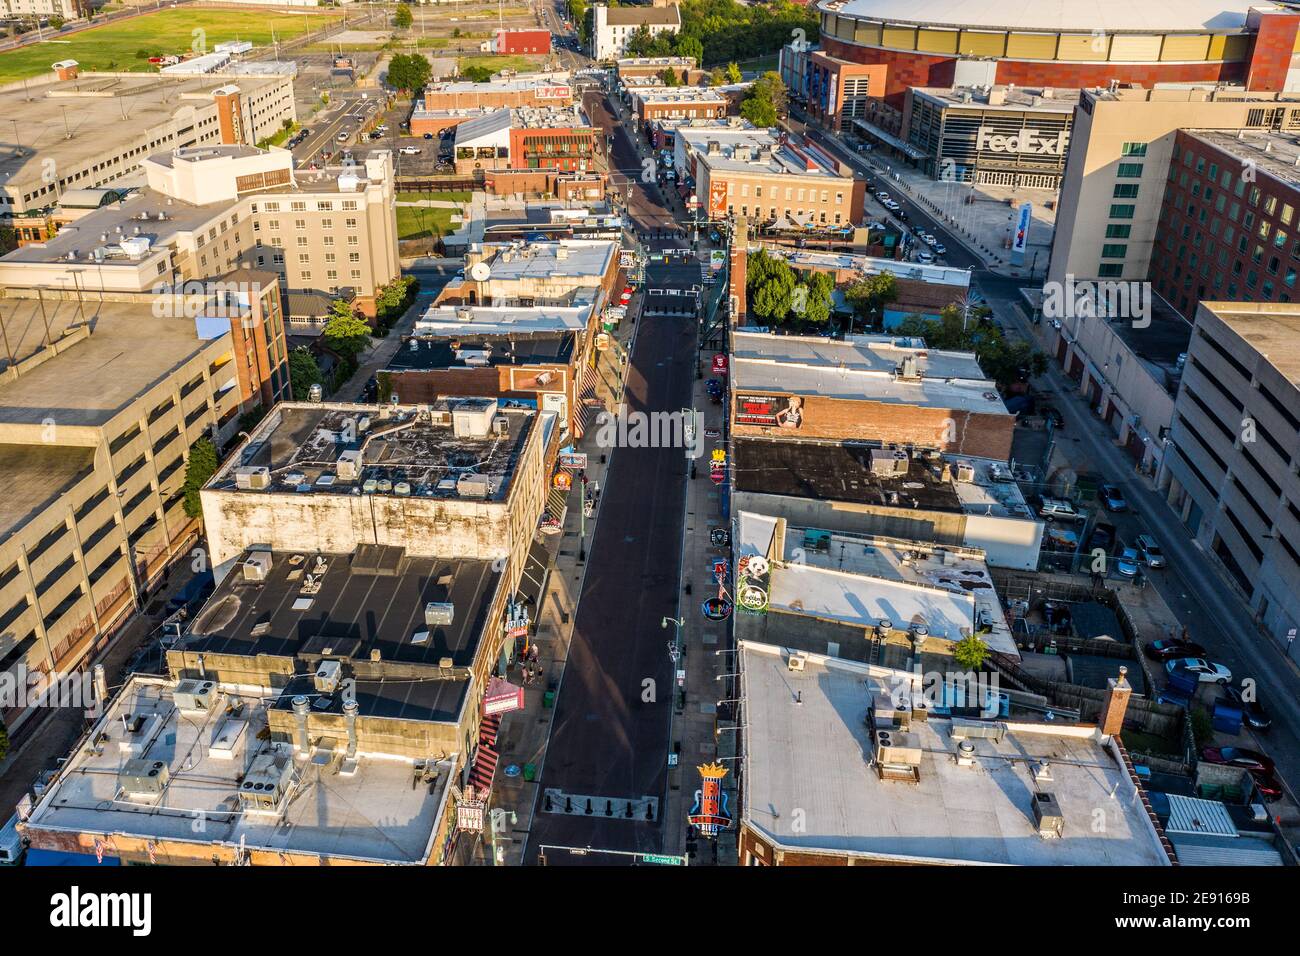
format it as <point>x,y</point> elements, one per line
<point>888,462</point>
<point>473,486</point>
<point>252,477</point>
<point>195,696</point>
<point>965,471</point>
<point>501,426</point>
<point>257,566</point>
<point>964,728</point>
<point>439,613</point>
<point>267,780</point>
<point>898,755</point>
<point>473,419</point>
<point>884,713</point>
<point>349,465</point>
<point>797,662</point>
<point>1047,814</point>
<point>143,778</point>
<point>327,676</point>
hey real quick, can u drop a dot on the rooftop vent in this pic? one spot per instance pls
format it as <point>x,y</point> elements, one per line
<point>257,566</point>
<point>143,778</point>
<point>439,613</point>
<point>1048,815</point>
<point>194,696</point>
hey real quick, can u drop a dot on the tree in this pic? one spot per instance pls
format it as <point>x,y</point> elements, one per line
<point>870,294</point>
<point>1005,362</point>
<point>765,102</point>
<point>690,46</point>
<point>476,74</point>
<point>199,469</point>
<point>733,74</point>
<point>970,652</point>
<point>409,72</point>
<point>718,77</point>
<point>56,23</point>
<point>4,740</point>
<point>303,372</point>
<point>812,298</point>
<point>8,239</point>
<point>402,18</point>
<point>770,283</point>
<point>670,77</point>
<point>344,332</point>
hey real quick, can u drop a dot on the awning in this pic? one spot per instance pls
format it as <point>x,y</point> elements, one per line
<point>36,857</point>
<point>485,759</point>
<point>502,697</point>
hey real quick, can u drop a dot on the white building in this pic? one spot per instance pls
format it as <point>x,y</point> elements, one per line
<point>68,9</point>
<point>613,28</point>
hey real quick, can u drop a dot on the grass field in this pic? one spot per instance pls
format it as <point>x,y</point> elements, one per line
<point>445,196</point>
<point>416,222</point>
<point>521,64</point>
<point>114,47</point>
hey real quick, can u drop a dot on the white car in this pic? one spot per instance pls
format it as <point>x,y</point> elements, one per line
<point>925,258</point>
<point>1207,672</point>
<point>410,150</point>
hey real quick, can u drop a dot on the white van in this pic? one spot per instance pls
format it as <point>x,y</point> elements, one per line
<point>11,843</point>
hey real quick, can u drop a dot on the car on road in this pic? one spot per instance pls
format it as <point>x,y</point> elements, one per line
<point>1149,551</point>
<point>1260,767</point>
<point>940,249</point>
<point>1206,671</point>
<point>410,150</point>
<point>927,238</point>
<point>342,137</point>
<point>925,257</point>
<point>428,136</point>
<point>1058,509</point>
<point>1112,499</point>
<point>1102,537</point>
<point>1172,650</point>
<point>1127,562</point>
<point>1252,711</point>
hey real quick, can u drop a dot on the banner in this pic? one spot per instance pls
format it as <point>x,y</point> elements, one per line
<point>1020,238</point>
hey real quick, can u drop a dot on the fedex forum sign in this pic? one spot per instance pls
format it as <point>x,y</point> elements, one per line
<point>1026,142</point>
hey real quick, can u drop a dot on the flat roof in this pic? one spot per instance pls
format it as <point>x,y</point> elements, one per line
<point>102,111</point>
<point>862,579</point>
<point>302,443</point>
<point>128,351</point>
<point>478,351</point>
<point>861,368</point>
<point>871,265</point>
<point>35,475</point>
<point>552,261</point>
<point>1026,99</point>
<point>371,814</point>
<point>785,157</point>
<point>370,600</point>
<point>807,744</point>
<point>635,16</point>
<point>1271,328</point>
<point>462,320</point>
<point>1274,153</point>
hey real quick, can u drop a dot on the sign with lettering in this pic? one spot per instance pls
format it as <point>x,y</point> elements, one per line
<point>1029,142</point>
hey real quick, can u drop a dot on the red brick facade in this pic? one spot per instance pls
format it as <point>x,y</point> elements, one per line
<point>1273,51</point>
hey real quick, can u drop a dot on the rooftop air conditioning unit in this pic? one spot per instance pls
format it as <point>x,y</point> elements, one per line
<point>252,477</point>
<point>194,696</point>
<point>473,486</point>
<point>965,471</point>
<point>327,676</point>
<point>898,749</point>
<point>268,779</point>
<point>1048,815</point>
<point>888,462</point>
<point>501,426</point>
<point>349,465</point>
<point>143,778</point>
<point>257,566</point>
<point>797,662</point>
<point>439,613</point>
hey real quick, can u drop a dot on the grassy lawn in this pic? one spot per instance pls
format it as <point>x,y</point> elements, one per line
<point>414,222</point>
<point>522,64</point>
<point>114,47</point>
<point>445,196</point>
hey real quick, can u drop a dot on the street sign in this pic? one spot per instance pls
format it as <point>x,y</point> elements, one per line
<point>662,860</point>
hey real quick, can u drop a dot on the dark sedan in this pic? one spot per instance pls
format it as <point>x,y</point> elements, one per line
<point>1112,499</point>
<point>1257,764</point>
<point>1172,650</point>
<point>1252,711</point>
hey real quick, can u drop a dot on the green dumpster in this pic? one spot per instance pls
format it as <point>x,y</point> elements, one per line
<point>548,699</point>
<point>530,772</point>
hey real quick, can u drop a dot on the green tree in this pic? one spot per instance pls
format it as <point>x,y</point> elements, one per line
<point>303,372</point>
<point>8,239</point>
<point>770,283</point>
<point>812,298</point>
<point>765,102</point>
<point>670,77</point>
<point>56,23</point>
<point>870,294</point>
<point>199,469</point>
<point>1004,362</point>
<point>970,652</point>
<point>402,18</point>
<point>345,332</point>
<point>718,77</point>
<point>409,72</point>
<point>690,46</point>
<point>476,74</point>
<point>733,74</point>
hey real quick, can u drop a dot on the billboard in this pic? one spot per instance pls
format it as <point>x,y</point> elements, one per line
<point>1020,236</point>
<point>717,200</point>
<point>770,411</point>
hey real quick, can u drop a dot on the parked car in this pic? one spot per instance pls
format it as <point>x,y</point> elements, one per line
<point>925,257</point>
<point>1168,650</point>
<point>1260,767</point>
<point>1127,563</point>
<point>940,249</point>
<point>428,136</point>
<point>1057,508</point>
<point>1252,711</point>
<point>1149,551</point>
<point>1103,537</point>
<point>410,151</point>
<point>1112,499</point>
<point>1206,671</point>
<point>1053,415</point>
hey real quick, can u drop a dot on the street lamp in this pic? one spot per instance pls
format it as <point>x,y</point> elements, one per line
<point>498,818</point>
<point>675,648</point>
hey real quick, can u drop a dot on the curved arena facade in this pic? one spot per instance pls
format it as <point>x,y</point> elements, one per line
<point>1067,43</point>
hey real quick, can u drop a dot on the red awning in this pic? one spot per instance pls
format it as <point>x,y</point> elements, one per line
<point>502,697</point>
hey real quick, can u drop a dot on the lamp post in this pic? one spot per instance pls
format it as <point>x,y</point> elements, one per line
<point>675,648</point>
<point>498,824</point>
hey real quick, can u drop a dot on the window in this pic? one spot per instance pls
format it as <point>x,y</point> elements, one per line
<point>1129,191</point>
<point>1113,250</point>
<point>1129,171</point>
<point>1110,270</point>
<point>1121,210</point>
<point>1133,149</point>
<point>1117,231</point>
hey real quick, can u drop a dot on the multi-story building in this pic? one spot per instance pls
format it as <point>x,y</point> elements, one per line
<point>537,91</point>
<point>506,42</point>
<point>1070,44</point>
<point>92,129</point>
<point>522,138</point>
<point>68,9</point>
<point>1230,473</point>
<point>764,176</point>
<point>683,67</point>
<point>95,507</point>
<point>211,209</point>
<point>835,93</point>
<point>613,27</point>
<point>651,103</point>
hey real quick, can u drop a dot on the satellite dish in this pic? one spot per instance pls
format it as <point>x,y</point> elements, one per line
<point>480,271</point>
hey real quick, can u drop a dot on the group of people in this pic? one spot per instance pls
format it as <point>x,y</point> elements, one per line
<point>532,667</point>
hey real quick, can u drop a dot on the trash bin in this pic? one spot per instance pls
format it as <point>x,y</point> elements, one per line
<point>548,699</point>
<point>530,772</point>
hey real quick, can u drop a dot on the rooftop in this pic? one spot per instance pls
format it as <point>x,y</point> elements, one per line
<point>100,111</point>
<point>128,351</point>
<point>419,353</point>
<point>807,748</point>
<point>502,85</point>
<point>462,320</point>
<point>636,16</point>
<point>682,94</point>
<point>1082,16</point>
<point>450,449</point>
<point>864,579</point>
<point>350,606</point>
<point>759,151</point>
<point>33,476</point>
<point>833,471</point>
<point>1271,328</point>
<point>373,813</point>
<point>1274,153</point>
<point>553,262</point>
<point>866,368</point>
<point>1026,98</point>
<point>871,265</point>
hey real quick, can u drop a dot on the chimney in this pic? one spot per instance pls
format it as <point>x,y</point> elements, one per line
<point>737,271</point>
<point>101,686</point>
<point>300,710</point>
<point>350,710</point>
<point>1118,692</point>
